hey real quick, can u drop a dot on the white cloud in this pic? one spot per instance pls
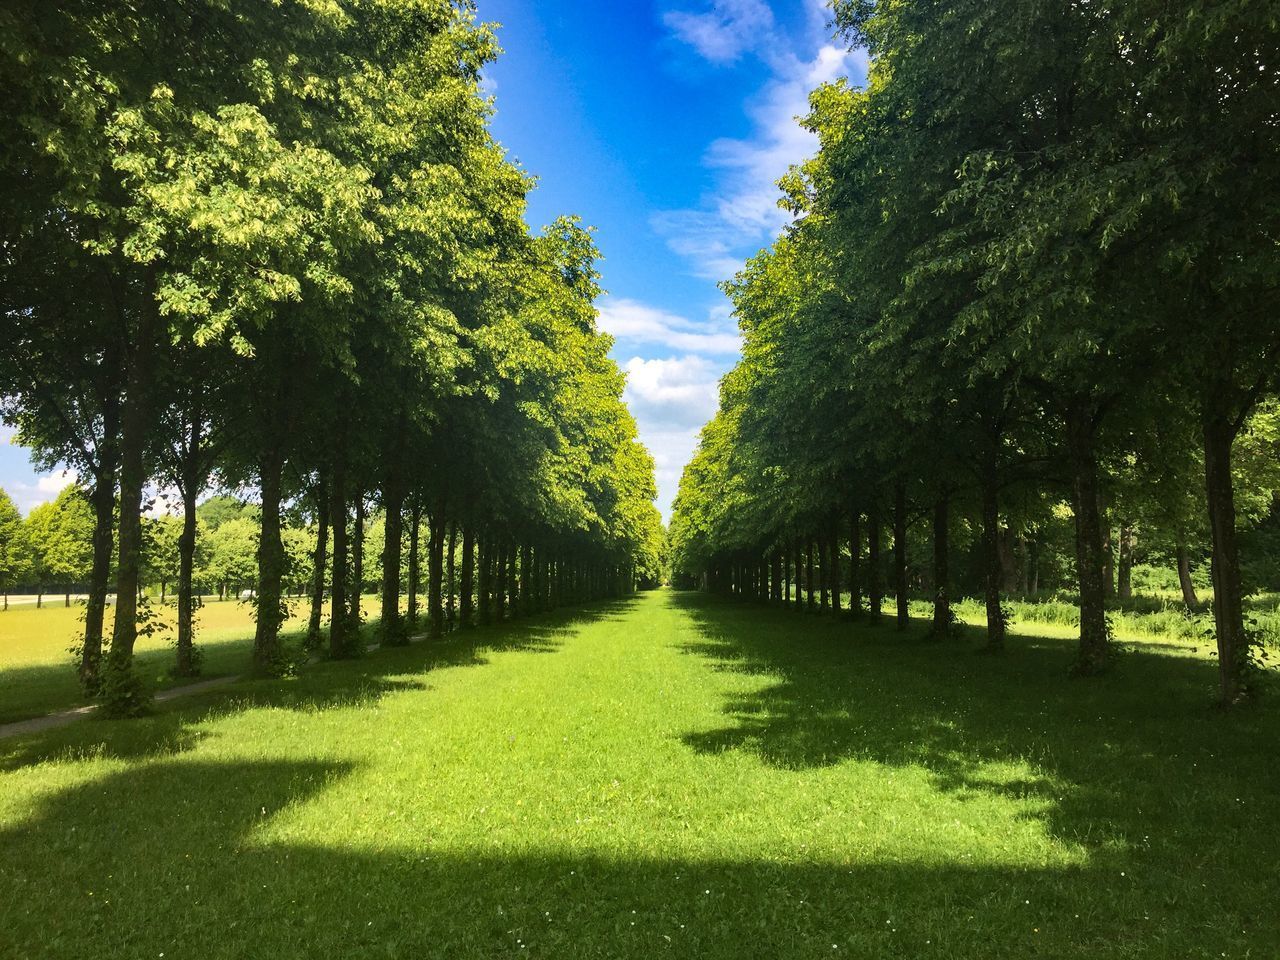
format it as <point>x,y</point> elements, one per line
<point>54,483</point>
<point>633,322</point>
<point>671,398</point>
<point>676,391</point>
<point>27,496</point>
<point>741,214</point>
<point>726,31</point>
<point>674,396</point>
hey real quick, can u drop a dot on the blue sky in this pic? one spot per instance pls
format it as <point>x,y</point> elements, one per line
<point>664,124</point>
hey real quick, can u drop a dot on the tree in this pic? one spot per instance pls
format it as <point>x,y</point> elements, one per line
<point>15,559</point>
<point>162,536</point>
<point>307,260</point>
<point>231,554</point>
<point>60,538</point>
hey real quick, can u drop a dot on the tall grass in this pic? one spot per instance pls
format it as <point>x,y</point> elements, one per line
<point>1146,617</point>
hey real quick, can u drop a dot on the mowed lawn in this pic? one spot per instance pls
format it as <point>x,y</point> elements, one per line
<point>668,775</point>
<point>38,675</point>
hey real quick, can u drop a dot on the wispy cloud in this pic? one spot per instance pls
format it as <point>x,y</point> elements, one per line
<point>632,323</point>
<point>672,396</point>
<point>725,32</point>
<point>741,214</point>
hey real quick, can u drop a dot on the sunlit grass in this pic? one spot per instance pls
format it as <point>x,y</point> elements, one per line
<point>37,673</point>
<point>673,775</point>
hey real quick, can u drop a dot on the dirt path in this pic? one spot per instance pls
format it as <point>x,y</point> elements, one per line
<point>65,717</point>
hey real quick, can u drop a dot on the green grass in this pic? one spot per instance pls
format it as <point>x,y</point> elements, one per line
<point>37,674</point>
<point>1143,618</point>
<point>671,775</point>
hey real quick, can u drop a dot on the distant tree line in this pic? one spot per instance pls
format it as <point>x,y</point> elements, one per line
<point>1033,280</point>
<point>275,248</point>
<point>50,552</point>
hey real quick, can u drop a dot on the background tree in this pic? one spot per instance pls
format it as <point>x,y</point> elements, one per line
<point>15,558</point>
<point>60,538</point>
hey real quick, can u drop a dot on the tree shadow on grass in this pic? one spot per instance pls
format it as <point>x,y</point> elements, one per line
<point>1137,760</point>
<point>187,858</point>
<point>179,725</point>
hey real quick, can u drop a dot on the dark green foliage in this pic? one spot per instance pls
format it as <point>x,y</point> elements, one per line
<point>1033,274</point>
<point>275,249</point>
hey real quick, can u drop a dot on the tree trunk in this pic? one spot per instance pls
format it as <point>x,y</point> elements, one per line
<point>855,562</point>
<point>435,571</point>
<point>1228,609</point>
<point>1184,575</point>
<point>1024,566</point>
<point>266,640</point>
<point>319,562</point>
<point>533,575</point>
<point>1033,561</point>
<point>808,574</point>
<point>1108,556</point>
<point>450,607</point>
<point>339,633</point>
<point>991,567</point>
<point>104,507</point>
<point>526,579</point>
<point>485,587</point>
<point>833,537</point>
<point>875,591</point>
<point>1094,652</point>
<point>1124,569</point>
<point>900,554</point>
<point>468,571</point>
<point>357,562</point>
<point>122,689</point>
<point>415,562</point>
<point>391,626</point>
<point>185,666</point>
<point>824,572</point>
<point>513,579</point>
<point>500,583</point>
<point>513,582</point>
<point>941,567</point>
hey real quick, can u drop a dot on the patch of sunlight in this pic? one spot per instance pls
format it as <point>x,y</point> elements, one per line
<point>29,790</point>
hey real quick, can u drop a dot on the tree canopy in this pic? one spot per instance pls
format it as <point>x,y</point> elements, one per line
<point>1053,287</point>
<point>306,272</point>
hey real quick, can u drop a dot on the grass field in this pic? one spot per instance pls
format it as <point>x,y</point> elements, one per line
<point>669,775</point>
<point>37,674</point>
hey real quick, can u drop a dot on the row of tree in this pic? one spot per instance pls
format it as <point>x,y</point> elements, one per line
<point>51,549</point>
<point>275,247</point>
<point>1034,263</point>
